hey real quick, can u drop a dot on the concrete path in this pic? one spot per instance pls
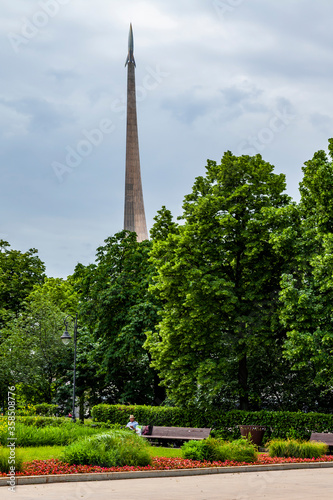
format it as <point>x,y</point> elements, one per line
<point>303,484</point>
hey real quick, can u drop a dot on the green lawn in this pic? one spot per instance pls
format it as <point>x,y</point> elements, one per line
<point>41,452</point>
<point>46,452</point>
<point>165,452</point>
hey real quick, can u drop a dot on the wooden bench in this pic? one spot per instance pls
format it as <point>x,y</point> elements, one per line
<point>177,433</point>
<point>323,437</point>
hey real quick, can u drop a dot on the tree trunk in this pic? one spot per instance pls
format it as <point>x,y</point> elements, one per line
<point>81,407</point>
<point>242,379</point>
<point>159,391</point>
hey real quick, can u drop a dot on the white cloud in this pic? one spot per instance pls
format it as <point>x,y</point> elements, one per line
<point>228,74</point>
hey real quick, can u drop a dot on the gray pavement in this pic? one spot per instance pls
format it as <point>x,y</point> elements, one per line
<point>303,484</point>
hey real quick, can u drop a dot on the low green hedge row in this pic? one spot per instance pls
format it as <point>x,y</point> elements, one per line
<point>30,435</point>
<point>47,410</point>
<point>225,424</point>
<point>37,421</point>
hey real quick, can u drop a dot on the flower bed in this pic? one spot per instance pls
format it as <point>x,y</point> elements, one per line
<point>54,466</point>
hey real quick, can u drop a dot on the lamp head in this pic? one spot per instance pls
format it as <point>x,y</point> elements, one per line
<point>66,337</point>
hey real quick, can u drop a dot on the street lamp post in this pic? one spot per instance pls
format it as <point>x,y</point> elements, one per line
<point>66,338</point>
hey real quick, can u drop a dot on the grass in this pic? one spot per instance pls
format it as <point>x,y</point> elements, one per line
<point>166,452</point>
<point>10,458</point>
<point>47,452</point>
<point>41,452</point>
<point>64,434</point>
<point>297,449</point>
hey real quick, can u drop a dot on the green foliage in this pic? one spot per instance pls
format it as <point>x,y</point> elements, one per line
<point>116,448</point>
<point>41,453</point>
<point>59,292</point>
<point>218,278</point>
<point>155,415</point>
<point>19,273</point>
<point>225,424</point>
<point>47,452</point>
<point>41,421</point>
<point>32,435</point>
<point>46,410</point>
<point>43,409</point>
<point>35,359</point>
<point>162,451</point>
<point>307,290</point>
<point>240,450</point>
<point>297,449</point>
<point>118,308</point>
<point>194,450</point>
<point>10,459</point>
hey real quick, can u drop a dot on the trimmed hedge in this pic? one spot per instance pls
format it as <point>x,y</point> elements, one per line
<point>30,435</point>
<point>39,421</point>
<point>279,424</point>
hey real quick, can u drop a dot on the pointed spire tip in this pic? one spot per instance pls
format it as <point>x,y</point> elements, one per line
<point>130,55</point>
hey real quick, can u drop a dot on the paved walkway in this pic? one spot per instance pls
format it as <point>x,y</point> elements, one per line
<point>303,484</point>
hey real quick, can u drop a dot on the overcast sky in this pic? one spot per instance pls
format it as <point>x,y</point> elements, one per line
<point>250,76</point>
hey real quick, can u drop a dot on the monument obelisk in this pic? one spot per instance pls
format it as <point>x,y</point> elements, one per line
<point>134,214</point>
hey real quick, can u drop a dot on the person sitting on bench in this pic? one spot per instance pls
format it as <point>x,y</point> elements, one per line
<point>132,423</point>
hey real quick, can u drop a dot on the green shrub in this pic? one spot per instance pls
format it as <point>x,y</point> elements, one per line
<point>7,460</point>
<point>40,421</point>
<point>115,448</point>
<point>297,449</point>
<point>194,450</point>
<point>105,425</point>
<point>46,410</point>
<point>240,450</point>
<point>61,435</point>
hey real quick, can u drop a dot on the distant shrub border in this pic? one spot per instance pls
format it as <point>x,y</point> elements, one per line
<point>296,449</point>
<point>279,424</point>
<point>47,410</point>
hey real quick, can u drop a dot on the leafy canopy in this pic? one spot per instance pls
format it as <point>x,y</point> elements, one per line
<point>218,278</point>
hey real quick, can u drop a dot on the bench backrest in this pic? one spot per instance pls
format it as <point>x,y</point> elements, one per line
<point>180,432</point>
<point>325,437</point>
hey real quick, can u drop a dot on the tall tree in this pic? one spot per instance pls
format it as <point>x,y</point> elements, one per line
<point>19,273</point>
<point>117,308</point>
<point>307,293</point>
<point>218,278</point>
<point>32,351</point>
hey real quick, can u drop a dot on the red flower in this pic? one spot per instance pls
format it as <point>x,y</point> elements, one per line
<point>54,466</point>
